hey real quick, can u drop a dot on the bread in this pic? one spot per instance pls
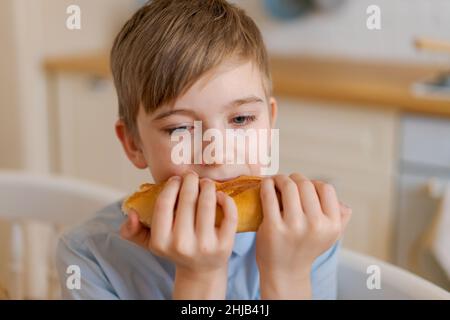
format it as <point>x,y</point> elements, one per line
<point>244,190</point>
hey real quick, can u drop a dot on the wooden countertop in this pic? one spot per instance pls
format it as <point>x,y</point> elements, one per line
<point>96,64</point>
<point>359,82</point>
<point>329,79</point>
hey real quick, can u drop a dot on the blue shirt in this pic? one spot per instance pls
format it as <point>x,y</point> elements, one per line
<point>113,268</point>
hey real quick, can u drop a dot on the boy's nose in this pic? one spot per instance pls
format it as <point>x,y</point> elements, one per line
<point>214,151</point>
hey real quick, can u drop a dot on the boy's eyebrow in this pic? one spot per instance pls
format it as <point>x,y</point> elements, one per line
<point>171,112</point>
<point>234,103</point>
<point>245,100</point>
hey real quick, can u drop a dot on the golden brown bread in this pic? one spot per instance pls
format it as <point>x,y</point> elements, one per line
<point>244,190</point>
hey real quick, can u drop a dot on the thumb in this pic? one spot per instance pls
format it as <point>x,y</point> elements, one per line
<point>133,230</point>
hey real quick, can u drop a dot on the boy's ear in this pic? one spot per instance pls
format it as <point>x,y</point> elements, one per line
<point>130,145</point>
<point>273,111</point>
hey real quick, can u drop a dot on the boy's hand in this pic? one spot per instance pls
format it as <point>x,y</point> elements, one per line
<point>288,241</point>
<point>186,234</point>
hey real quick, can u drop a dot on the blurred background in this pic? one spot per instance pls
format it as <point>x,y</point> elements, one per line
<point>367,110</point>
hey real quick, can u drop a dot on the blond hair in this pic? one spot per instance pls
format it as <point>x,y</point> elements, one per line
<point>168,45</point>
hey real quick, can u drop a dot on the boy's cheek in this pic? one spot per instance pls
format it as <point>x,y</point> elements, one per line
<point>163,170</point>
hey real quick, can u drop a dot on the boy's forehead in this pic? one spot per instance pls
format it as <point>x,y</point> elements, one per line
<point>217,88</point>
<point>223,84</point>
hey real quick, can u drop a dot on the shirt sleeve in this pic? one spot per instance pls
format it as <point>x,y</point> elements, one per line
<point>93,282</point>
<point>324,274</point>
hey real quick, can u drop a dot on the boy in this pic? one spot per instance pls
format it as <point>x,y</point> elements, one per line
<point>176,62</point>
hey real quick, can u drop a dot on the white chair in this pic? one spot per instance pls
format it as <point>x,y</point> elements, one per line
<point>59,200</point>
<point>34,209</point>
<point>395,283</point>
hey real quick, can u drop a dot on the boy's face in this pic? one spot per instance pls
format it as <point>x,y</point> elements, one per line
<point>209,101</point>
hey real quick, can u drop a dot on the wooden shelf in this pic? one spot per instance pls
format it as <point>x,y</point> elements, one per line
<point>329,79</point>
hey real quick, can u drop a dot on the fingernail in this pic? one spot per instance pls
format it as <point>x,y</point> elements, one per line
<point>175,178</point>
<point>220,193</point>
<point>191,172</point>
<point>205,180</point>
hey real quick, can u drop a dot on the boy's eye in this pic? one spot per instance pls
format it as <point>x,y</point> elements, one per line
<point>180,128</point>
<point>243,120</point>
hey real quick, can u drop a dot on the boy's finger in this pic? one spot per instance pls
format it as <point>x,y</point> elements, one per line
<point>308,196</point>
<point>228,227</point>
<point>124,229</point>
<point>133,230</point>
<point>133,222</point>
<point>129,228</point>
<point>206,209</point>
<point>290,198</point>
<point>187,203</point>
<point>346,214</point>
<point>296,176</point>
<point>328,199</point>
<point>269,201</point>
<point>163,213</point>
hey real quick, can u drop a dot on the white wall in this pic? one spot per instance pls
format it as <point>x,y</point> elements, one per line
<point>101,20</point>
<point>344,32</point>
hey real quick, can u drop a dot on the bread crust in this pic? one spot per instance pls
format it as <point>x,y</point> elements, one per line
<point>245,191</point>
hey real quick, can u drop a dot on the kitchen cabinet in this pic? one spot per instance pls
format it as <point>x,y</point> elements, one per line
<point>352,148</point>
<point>424,165</point>
<point>87,147</point>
